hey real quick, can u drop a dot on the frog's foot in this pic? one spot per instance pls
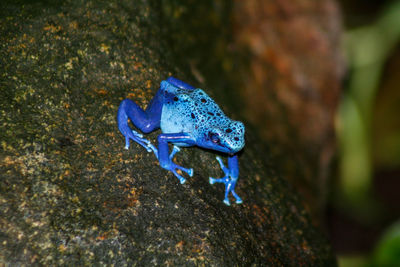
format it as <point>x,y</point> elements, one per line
<point>171,166</point>
<point>229,187</point>
<point>229,182</point>
<point>138,138</point>
<point>226,178</point>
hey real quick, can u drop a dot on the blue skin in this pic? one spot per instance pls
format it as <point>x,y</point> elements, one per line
<point>187,117</point>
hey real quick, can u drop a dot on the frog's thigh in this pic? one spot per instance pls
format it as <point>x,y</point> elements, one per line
<point>178,83</point>
<point>146,120</point>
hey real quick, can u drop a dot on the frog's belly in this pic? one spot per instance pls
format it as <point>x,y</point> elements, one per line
<point>173,121</point>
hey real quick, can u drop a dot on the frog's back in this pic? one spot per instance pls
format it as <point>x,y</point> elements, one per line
<point>209,114</point>
<point>189,111</point>
<point>176,116</point>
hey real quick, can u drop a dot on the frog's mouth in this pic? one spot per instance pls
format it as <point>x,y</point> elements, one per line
<point>218,147</point>
<point>227,149</point>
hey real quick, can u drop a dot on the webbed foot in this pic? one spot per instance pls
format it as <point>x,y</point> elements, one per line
<point>229,181</point>
<point>138,138</point>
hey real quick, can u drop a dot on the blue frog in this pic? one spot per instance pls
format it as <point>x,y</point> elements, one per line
<point>187,117</point>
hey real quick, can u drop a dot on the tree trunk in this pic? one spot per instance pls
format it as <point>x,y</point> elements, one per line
<point>70,194</point>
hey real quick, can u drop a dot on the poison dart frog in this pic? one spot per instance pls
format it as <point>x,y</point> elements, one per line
<point>187,117</point>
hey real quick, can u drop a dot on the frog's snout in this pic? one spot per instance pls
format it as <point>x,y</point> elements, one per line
<point>236,136</point>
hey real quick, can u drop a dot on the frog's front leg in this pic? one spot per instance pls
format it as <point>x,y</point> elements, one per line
<point>165,158</point>
<point>230,178</point>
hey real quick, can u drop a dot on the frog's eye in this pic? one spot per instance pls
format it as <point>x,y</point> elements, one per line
<point>214,138</point>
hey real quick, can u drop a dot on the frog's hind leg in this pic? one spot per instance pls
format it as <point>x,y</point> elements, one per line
<point>145,120</point>
<point>178,83</point>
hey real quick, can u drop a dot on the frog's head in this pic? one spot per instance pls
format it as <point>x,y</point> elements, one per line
<point>227,139</point>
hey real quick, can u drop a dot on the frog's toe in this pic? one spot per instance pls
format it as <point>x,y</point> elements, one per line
<point>174,167</point>
<point>146,144</point>
<point>224,180</point>
<point>137,134</point>
<point>226,201</point>
<point>181,179</point>
<point>127,142</point>
<point>141,141</point>
<point>174,151</point>
<point>229,187</point>
<point>188,171</point>
<point>238,199</point>
<point>150,148</point>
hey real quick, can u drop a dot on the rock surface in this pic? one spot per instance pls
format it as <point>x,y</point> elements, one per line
<point>70,194</point>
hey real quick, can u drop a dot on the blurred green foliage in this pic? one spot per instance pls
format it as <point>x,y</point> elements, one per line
<point>387,252</point>
<point>367,49</point>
